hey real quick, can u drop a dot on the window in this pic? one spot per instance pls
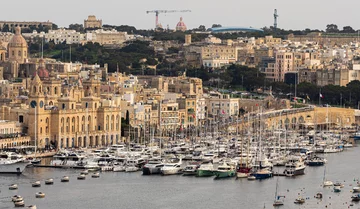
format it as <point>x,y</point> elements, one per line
<point>63,106</point>
<point>21,118</point>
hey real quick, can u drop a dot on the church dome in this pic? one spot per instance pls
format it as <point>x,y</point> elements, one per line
<point>42,72</point>
<point>181,25</point>
<point>17,40</point>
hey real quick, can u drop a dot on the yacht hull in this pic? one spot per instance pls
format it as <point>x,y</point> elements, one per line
<point>224,174</point>
<point>16,168</point>
<point>151,171</point>
<point>204,173</point>
<point>295,172</point>
<point>262,175</point>
<point>318,163</point>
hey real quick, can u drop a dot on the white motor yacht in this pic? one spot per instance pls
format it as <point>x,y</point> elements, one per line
<point>153,166</point>
<point>12,163</point>
<point>295,167</point>
<point>190,170</point>
<point>172,168</point>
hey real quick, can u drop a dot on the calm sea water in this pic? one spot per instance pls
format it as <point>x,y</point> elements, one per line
<point>132,190</point>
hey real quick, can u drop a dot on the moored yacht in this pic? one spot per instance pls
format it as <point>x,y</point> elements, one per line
<point>225,171</point>
<point>295,167</point>
<point>263,173</point>
<point>12,163</point>
<point>316,161</point>
<point>205,170</point>
<point>152,167</point>
<point>190,170</point>
<point>172,168</point>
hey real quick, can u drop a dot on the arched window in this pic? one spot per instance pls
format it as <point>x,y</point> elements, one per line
<point>40,130</point>
<point>112,122</point>
<point>107,122</point>
<point>117,122</point>
<point>55,90</point>
<point>63,106</point>
<point>72,106</point>
<point>95,105</point>
<point>34,89</point>
<point>73,124</point>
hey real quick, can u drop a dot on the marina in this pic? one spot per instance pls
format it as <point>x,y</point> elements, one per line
<point>131,189</point>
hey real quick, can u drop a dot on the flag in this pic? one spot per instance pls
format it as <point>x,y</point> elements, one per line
<point>223,112</point>
<point>321,96</point>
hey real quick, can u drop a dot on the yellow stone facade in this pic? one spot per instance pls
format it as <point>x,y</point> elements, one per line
<point>78,118</point>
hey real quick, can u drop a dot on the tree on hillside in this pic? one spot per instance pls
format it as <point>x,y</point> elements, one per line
<point>202,28</point>
<point>77,27</point>
<point>332,28</point>
<point>216,26</point>
<point>348,29</point>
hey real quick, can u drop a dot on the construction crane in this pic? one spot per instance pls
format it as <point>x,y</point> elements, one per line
<point>275,20</point>
<point>157,12</point>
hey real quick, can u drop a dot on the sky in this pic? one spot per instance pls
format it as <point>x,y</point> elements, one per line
<point>314,14</point>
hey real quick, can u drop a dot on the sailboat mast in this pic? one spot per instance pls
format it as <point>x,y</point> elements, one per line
<point>35,130</point>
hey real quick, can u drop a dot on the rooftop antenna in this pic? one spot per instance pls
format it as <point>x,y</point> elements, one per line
<point>275,20</point>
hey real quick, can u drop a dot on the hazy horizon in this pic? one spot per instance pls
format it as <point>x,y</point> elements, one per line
<point>292,15</point>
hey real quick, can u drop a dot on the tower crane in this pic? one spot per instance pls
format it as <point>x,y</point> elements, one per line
<point>157,12</point>
<point>275,19</point>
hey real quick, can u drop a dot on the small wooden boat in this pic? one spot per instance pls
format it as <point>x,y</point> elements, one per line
<point>339,184</point>
<point>85,172</point>
<point>318,195</point>
<point>31,207</point>
<point>81,177</point>
<point>95,175</point>
<point>13,187</point>
<point>299,200</point>
<point>337,189</point>
<point>40,195</point>
<point>356,189</point>
<point>355,198</point>
<point>16,198</point>
<point>328,183</point>
<point>36,184</point>
<point>65,179</point>
<point>49,181</point>
<point>19,204</point>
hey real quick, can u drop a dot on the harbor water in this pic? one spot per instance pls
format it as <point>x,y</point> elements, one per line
<point>132,190</point>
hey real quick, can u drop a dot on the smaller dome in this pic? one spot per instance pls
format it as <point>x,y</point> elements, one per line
<point>181,25</point>
<point>42,72</point>
<point>17,40</point>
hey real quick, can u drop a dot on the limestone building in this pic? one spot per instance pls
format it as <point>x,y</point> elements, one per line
<point>71,116</point>
<point>92,22</point>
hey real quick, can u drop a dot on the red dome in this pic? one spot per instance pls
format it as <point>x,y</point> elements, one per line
<point>42,71</point>
<point>181,25</point>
